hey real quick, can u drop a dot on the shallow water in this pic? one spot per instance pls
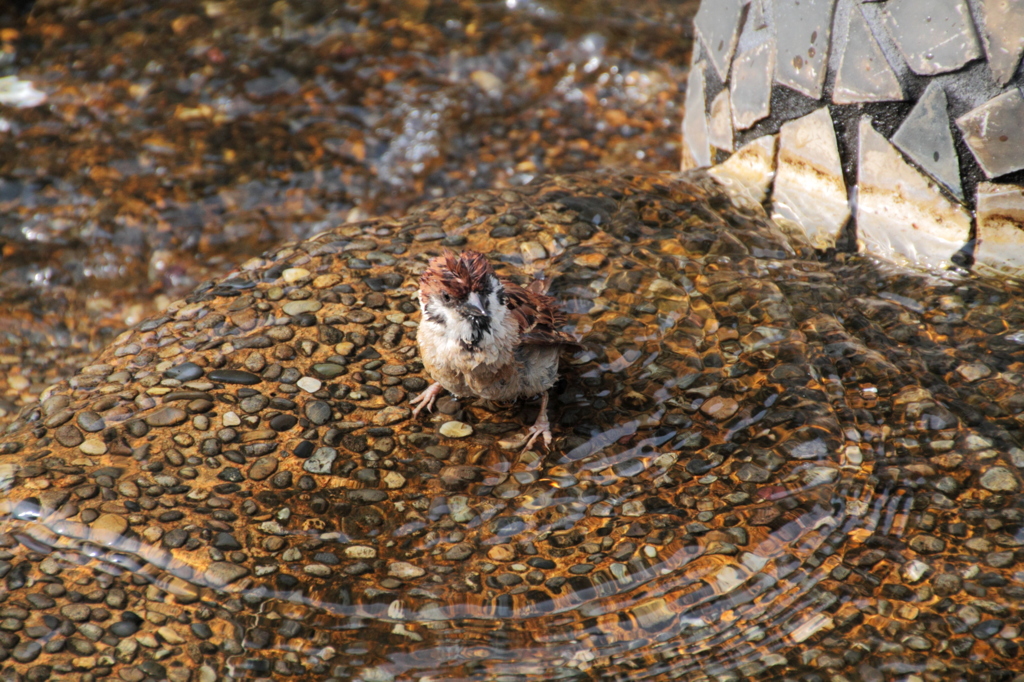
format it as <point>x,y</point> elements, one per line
<point>178,140</point>
<point>766,466</point>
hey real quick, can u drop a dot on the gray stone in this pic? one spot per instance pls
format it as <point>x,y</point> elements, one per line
<point>1002,33</point>
<point>321,461</point>
<point>222,573</point>
<point>263,468</point>
<point>26,652</point>
<point>926,138</point>
<point>750,86</point>
<point>717,24</point>
<point>934,36</point>
<point>803,28</point>
<point>994,133</point>
<point>167,416</point>
<point>318,412</point>
<point>696,147</point>
<point>864,75</point>
<point>999,480</point>
<point>900,214</point>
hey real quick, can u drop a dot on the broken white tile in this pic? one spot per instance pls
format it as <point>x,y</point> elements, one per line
<point>809,188</point>
<point>901,215</point>
<point>750,171</point>
<point>696,147</point>
<point>720,122</point>
<point>1000,216</point>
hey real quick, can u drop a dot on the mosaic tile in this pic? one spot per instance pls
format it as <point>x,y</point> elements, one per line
<point>1000,249</point>
<point>900,213</point>
<point>934,36</point>
<point>717,24</point>
<point>750,88</point>
<point>803,44</point>
<point>994,132</point>
<point>1002,33</point>
<point>809,188</point>
<point>864,75</point>
<point>720,122</point>
<point>925,137</point>
<point>696,148</point>
<point>750,171</point>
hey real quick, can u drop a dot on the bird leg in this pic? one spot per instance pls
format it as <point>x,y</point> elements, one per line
<point>541,428</point>
<point>426,399</point>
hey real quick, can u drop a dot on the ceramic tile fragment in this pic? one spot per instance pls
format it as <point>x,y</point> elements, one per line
<point>718,24</point>
<point>809,187</point>
<point>934,36</point>
<point>750,171</point>
<point>750,87</point>
<point>925,137</point>
<point>901,216</point>
<point>864,74</point>
<point>1000,214</point>
<point>720,122</point>
<point>1002,33</point>
<point>803,41</point>
<point>994,132</point>
<point>697,149</point>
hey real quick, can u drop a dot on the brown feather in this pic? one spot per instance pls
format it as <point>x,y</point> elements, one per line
<point>538,315</point>
<point>458,274</point>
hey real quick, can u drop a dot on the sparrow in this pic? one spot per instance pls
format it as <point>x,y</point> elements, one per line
<point>486,337</point>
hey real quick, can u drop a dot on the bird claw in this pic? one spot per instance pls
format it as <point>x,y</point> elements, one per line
<point>426,399</point>
<point>541,429</point>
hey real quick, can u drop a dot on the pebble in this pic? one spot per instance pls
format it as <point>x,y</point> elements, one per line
<point>404,571</point>
<point>167,416</point>
<point>318,412</point>
<point>393,415</point>
<point>719,408</point>
<point>454,429</point>
<point>234,376</point>
<point>263,468</point>
<point>532,251</point>
<point>186,371</point>
<point>91,422</point>
<point>295,308</point>
<point>973,371</point>
<point>309,384</point>
<point>26,652</point>
<point>111,523</point>
<point>321,460</point>
<point>926,544</point>
<point>221,573</point>
<point>293,275</point>
<point>69,436</point>
<point>999,479</point>
<point>93,446</point>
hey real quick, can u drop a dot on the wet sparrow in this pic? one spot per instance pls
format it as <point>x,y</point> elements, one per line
<point>483,336</point>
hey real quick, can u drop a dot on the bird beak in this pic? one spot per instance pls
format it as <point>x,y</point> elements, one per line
<point>473,307</point>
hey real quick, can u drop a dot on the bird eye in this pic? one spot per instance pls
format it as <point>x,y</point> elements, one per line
<point>446,297</point>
